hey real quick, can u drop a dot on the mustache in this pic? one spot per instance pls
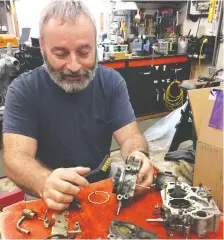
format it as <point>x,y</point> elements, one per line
<point>76,74</point>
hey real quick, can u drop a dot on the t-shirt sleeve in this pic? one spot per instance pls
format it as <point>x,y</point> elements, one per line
<point>121,110</point>
<point>19,114</point>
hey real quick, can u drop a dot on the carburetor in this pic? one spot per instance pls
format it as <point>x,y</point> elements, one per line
<point>188,209</point>
<point>125,181</point>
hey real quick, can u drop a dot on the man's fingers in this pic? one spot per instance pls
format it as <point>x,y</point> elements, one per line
<point>66,187</point>
<point>59,197</point>
<point>73,176</point>
<point>146,167</point>
<point>55,205</point>
<point>146,183</point>
<point>82,170</point>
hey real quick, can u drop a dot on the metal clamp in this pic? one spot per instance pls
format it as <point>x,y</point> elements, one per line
<point>98,192</point>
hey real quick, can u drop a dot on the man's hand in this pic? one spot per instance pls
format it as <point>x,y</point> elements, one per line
<point>61,186</point>
<point>145,176</point>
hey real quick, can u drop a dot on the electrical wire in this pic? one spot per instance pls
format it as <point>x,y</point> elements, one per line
<point>174,102</point>
<point>200,54</point>
<point>198,25</point>
<point>199,58</point>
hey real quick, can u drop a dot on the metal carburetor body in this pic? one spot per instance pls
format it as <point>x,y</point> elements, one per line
<point>189,209</point>
<point>125,181</point>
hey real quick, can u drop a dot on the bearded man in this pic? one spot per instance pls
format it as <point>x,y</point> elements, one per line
<point>59,119</point>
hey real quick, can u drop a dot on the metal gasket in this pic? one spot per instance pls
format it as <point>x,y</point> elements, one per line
<point>99,192</point>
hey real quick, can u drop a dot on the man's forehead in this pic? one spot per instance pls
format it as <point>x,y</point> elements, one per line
<point>62,34</point>
<point>79,23</point>
<point>84,46</point>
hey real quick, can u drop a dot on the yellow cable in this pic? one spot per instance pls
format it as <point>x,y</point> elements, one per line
<point>173,102</point>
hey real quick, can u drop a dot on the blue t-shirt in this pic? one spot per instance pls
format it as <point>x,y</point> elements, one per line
<point>72,129</point>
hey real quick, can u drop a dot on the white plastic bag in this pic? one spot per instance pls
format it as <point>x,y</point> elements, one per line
<point>159,136</point>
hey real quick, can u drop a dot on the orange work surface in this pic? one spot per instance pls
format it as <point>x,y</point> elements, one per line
<point>94,219</point>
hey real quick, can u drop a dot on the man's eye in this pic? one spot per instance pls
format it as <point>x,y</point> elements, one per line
<point>83,54</point>
<point>60,55</point>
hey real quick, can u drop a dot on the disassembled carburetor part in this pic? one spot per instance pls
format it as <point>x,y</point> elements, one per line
<point>60,227</point>
<point>127,230</point>
<point>188,209</point>
<point>163,177</point>
<point>125,181</point>
<point>27,214</point>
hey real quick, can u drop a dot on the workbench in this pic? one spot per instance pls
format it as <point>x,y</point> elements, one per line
<point>94,219</point>
<point>147,79</point>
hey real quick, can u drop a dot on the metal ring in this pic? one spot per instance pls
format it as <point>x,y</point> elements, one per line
<point>98,192</point>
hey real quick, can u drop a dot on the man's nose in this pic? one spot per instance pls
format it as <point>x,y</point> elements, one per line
<point>73,65</point>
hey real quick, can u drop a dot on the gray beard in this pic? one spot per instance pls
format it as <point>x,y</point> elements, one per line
<point>70,86</point>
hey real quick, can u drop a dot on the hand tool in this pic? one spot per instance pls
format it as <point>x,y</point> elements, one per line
<point>103,167</point>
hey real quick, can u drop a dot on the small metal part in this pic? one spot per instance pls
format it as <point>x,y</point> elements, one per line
<point>170,235</point>
<point>128,230</point>
<point>27,214</point>
<point>119,207</point>
<point>187,229</point>
<point>99,192</point>
<point>155,220</point>
<point>61,225</point>
<point>76,228</point>
<point>158,206</point>
<point>47,223</point>
<point>23,230</point>
<point>138,185</point>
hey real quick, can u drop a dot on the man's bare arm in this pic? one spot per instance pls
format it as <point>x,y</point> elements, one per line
<point>57,187</point>
<point>130,139</point>
<point>20,164</point>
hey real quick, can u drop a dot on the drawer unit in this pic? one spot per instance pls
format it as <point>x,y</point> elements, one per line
<point>147,81</point>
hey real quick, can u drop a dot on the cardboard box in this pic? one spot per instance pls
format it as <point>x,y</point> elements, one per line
<point>208,168</point>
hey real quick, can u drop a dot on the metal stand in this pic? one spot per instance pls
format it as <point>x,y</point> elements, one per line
<point>185,131</point>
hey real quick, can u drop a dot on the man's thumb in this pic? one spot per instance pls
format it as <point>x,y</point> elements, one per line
<point>82,170</point>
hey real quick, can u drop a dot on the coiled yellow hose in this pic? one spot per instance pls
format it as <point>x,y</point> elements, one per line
<point>174,102</point>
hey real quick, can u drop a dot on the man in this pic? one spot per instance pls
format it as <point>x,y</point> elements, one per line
<point>59,119</point>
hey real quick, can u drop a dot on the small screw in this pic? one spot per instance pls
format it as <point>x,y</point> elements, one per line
<point>157,206</point>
